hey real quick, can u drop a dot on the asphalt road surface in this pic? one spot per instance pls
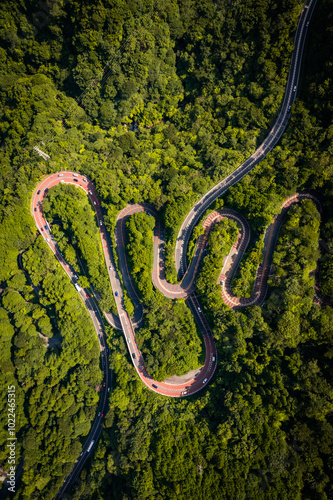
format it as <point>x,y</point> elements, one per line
<point>186,274</point>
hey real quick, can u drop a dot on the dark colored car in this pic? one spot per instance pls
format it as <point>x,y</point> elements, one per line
<point>133,355</point>
<point>155,386</point>
<point>38,192</point>
<point>116,294</point>
<point>75,180</point>
<point>35,209</point>
<point>45,227</point>
<point>42,229</point>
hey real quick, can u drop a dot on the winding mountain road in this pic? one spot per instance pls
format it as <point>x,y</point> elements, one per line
<point>187,274</point>
<point>271,140</point>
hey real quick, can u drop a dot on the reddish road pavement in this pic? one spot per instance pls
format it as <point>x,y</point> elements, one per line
<point>185,289</point>
<point>84,183</point>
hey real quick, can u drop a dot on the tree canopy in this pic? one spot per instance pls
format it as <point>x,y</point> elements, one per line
<point>155,102</point>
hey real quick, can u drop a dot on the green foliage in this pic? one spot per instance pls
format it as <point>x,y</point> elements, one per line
<point>220,241</point>
<point>139,248</point>
<point>58,385</point>
<point>169,340</point>
<point>294,260</point>
<point>192,88</point>
<point>78,238</point>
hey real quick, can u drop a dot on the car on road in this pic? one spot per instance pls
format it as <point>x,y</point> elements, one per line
<point>221,282</point>
<point>84,180</point>
<point>100,223</point>
<point>308,23</point>
<point>295,88</point>
<point>150,215</point>
<point>102,415</point>
<point>38,192</point>
<point>99,414</point>
<point>42,229</point>
<point>199,310</point>
<point>129,340</point>
<point>45,227</point>
<point>133,355</point>
<point>75,175</point>
<point>75,180</point>
<point>87,295</point>
<point>35,209</point>
<point>204,381</point>
<point>46,190</point>
<point>94,202</point>
<point>90,192</point>
<point>60,175</point>
<point>184,392</point>
<point>108,389</point>
<point>155,386</point>
<point>110,267</point>
<point>289,109</point>
<point>213,358</point>
<point>116,294</point>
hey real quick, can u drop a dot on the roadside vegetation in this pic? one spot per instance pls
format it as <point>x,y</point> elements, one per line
<point>77,234</point>
<point>169,340</point>
<point>220,241</point>
<point>57,388</point>
<point>190,91</point>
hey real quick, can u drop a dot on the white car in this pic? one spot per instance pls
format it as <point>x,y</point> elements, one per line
<point>94,202</point>
<point>110,267</point>
<point>100,223</point>
<point>295,88</point>
<point>84,180</point>
<point>199,310</point>
<point>60,175</point>
<point>75,175</point>
<point>204,381</point>
<point>90,192</point>
<point>99,414</point>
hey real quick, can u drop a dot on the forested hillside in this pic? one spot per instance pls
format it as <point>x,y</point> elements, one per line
<point>155,102</point>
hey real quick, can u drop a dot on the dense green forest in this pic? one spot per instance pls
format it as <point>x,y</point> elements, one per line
<point>77,236</point>
<point>155,102</point>
<point>169,340</point>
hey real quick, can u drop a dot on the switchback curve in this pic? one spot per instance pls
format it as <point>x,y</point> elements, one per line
<point>196,211</point>
<point>185,289</point>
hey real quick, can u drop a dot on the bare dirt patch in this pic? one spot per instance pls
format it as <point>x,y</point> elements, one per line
<point>176,380</point>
